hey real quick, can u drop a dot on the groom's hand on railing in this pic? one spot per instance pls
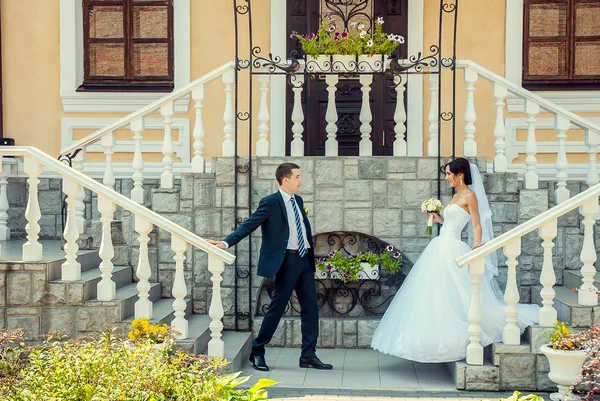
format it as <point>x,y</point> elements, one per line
<point>218,244</point>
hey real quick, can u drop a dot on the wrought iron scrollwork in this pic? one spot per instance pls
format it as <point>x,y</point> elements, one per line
<point>346,10</point>
<point>446,115</point>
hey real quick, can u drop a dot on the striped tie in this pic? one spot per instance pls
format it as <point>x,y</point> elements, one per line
<point>301,246</point>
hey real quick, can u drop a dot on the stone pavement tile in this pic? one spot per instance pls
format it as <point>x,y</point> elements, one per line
<point>361,379</point>
<point>293,378</point>
<point>324,378</point>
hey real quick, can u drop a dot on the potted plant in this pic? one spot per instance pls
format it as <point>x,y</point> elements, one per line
<point>355,50</point>
<point>362,266</point>
<point>566,355</point>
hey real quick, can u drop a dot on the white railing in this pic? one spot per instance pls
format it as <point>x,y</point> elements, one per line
<point>563,120</point>
<point>73,183</point>
<point>510,242</point>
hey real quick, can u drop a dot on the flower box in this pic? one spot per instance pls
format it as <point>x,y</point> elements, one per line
<point>565,367</point>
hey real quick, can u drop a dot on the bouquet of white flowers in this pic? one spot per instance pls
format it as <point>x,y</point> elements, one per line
<point>431,205</point>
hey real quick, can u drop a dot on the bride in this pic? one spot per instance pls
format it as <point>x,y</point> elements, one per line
<point>427,319</point>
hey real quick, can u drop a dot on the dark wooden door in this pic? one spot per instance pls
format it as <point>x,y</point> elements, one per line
<point>303,16</point>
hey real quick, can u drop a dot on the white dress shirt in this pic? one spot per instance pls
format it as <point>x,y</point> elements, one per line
<point>293,238</point>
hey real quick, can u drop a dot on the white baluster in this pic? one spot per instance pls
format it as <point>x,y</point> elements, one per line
<point>78,165</point>
<point>547,314</point>
<point>216,347</point>
<point>432,145</point>
<point>137,193</point>
<point>475,349</point>
<point>592,140</point>
<point>511,335</point>
<point>331,116</point>
<point>229,114</point>
<point>500,161</point>
<point>530,180</point>
<point>4,229</point>
<point>32,249</point>
<point>179,323</point>
<point>400,147</point>
<point>166,178</point>
<point>470,146</point>
<point>143,306</point>
<point>106,288</point>
<point>587,291</point>
<point>297,146</point>
<point>109,141</point>
<point>71,269</point>
<point>561,193</point>
<point>365,147</point>
<point>262,145</point>
<point>198,162</point>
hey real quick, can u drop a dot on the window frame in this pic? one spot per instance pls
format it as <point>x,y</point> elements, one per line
<point>129,83</point>
<point>555,82</point>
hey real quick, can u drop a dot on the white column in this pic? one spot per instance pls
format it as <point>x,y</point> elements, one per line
<point>78,165</point>
<point>262,145</point>
<point>229,114</point>
<point>400,146</point>
<point>592,140</point>
<point>137,193</point>
<point>331,116</point>
<point>166,178</point>
<point>365,147</point>
<point>500,161</point>
<point>432,117</point>
<point>297,145</point>
<point>32,249</point>
<point>530,180</point>
<point>561,193</point>
<point>143,306</point>
<point>71,269</point>
<point>587,291</point>
<point>511,335</point>
<point>179,323</point>
<point>198,162</point>
<point>4,229</point>
<point>470,146</point>
<point>547,314</point>
<point>216,347</point>
<point>106,288</point>
<point>475,349</point>
<point>108,142</point>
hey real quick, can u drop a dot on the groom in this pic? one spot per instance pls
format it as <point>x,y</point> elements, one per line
<point>287,253</point>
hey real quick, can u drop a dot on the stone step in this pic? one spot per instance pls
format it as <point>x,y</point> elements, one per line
<point>572,278</point>
<point>475,378</point>
<point>567,308</point>
<point>198,334</point>
<point>238,346</point>
<point>162,311</point>
<point>89,259</point>
<point>126,297</point>
<point>86,288</point>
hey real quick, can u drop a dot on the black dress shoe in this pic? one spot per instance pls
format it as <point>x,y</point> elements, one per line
<point>259,363</point>
<point>314,362</point>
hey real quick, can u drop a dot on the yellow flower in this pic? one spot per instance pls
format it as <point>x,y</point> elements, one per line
<point>131,336</point>
<point>136,332</point>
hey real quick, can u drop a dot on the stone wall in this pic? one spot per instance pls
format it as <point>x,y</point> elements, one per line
<point>377,196</point>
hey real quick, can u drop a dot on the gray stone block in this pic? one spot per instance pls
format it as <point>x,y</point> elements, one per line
<point>532,202</point>
<point>504,212</point>
<point>204,193</point>
<point>328,173</point>
<point>55,294</point>
<point>328,217</point>
<point>372,168</point>
<point>358,221</point>
<point>327,333</point>
<point>165,200</point>
<point>366,328</point>
<point>58,319</point>
<point>208,222</point>
<point>50,202</point>
<point>18,288</point>
<point>402,165</point>
<point>357,190</point>
<point>29,324</point>
<point>329,194</point>
<point>415,192</point>
<point>482,378</point>
<point>427,169</point>
<point>387,222</point>
<point>94,318</point>
<point>518,371</point>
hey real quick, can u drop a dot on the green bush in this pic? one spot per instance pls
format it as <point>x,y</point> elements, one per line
<point>109,368</point>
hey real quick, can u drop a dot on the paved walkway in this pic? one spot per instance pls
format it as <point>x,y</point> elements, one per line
<point>360,375</point>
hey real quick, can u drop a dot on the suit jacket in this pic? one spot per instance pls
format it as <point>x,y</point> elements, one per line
<point>271,216</point>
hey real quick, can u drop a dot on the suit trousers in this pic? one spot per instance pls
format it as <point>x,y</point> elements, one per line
<point>297,274</point>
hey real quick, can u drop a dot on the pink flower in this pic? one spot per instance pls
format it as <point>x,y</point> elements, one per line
<point>331,253</point>
<point>329,267</point>
<point>380,20</point>
<point>389,248</point>
<point>396,255</point>
<point>344,35</point>
<point>336,36</point>
<point>331,28</point>
<point>293,34</point>
<point>311,36</point>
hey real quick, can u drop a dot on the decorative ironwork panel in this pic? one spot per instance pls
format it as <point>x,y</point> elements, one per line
<point>346,12</point>
<point>394,7</point>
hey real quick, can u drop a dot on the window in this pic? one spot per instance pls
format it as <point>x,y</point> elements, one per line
<point>128,45</point>
<point>561,44</point>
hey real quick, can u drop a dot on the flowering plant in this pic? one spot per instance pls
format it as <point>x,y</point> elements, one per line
<point>356,41</point>
<point>349,268</point>
<point>142,330</point>
<point>431,205</point>
<point>563,339</point>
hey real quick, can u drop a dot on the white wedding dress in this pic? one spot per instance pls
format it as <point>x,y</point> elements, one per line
<point>427,319</point>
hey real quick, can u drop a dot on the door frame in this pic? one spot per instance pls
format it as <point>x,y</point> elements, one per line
<point>414,86</point>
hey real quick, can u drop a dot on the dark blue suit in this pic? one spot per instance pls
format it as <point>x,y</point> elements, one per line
<point>291,271</point>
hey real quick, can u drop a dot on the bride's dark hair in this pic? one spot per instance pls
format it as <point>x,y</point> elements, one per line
<point>459,165</point>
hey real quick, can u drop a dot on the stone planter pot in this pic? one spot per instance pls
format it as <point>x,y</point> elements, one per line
<point>565,366</point>
<point>320,63</point>
<point>374,63</point>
